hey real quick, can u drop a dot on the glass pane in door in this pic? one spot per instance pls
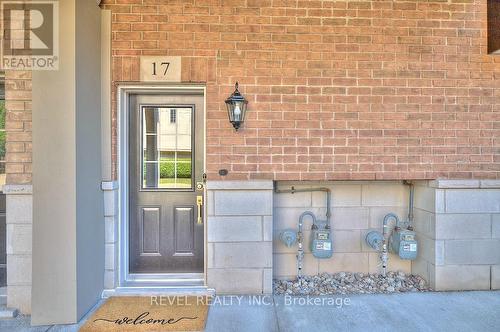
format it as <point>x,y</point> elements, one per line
<point>167,147</point>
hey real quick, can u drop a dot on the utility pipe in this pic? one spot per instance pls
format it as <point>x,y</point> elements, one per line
<point>328,192</point>
<point>292,190</point>
<point>384,257</point>
<point>300,240</point>
<point>388,217</point>
<point>410,203</point>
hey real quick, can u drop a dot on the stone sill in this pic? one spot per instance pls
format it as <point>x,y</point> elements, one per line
<point>109,185</point>
<point>465,184</point>
<point>18,189</point>
<point>240,185</point>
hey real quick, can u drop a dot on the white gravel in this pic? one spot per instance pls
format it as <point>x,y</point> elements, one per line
<point>351,283</point>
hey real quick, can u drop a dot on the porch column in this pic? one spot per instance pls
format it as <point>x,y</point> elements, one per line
<point>68,225</point>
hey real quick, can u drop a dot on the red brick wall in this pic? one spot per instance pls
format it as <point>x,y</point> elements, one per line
<point>18,127</point>
<point>337,89</point>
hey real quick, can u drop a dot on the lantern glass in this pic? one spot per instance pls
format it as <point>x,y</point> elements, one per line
<point>236,106</point>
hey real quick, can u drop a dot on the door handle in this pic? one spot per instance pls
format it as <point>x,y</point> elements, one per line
<point>199,202</point>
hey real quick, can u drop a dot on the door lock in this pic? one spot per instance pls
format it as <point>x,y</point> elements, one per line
<point>199,202</point>
<point>200,186</point>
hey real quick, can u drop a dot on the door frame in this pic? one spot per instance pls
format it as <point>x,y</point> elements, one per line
<point>125,278</point>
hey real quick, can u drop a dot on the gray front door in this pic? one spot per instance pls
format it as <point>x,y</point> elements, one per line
<point>166,150</point>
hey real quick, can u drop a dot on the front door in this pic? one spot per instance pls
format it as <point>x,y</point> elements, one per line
<point>166,151</point>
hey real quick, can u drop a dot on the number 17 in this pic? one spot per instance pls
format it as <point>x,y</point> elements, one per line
<point>166,64</point>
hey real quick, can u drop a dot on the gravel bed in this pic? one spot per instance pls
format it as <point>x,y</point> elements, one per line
<point>351,283</point>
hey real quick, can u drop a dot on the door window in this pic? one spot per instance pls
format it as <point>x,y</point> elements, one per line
<point>167,152</point>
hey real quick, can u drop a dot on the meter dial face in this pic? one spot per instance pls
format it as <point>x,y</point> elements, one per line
<point>322,236</point>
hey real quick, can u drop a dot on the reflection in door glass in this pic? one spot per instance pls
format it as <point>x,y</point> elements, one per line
<point>167,148</point>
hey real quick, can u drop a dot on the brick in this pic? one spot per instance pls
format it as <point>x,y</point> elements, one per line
<point>267,281</point>
<point>267,228</point>
<point>110,234</point>
<point>347,241</point>
<point>235,202</point>
<point>465,277</point>
<point>243,255</point>
<point>376,84</point>
<point>109,279</point>
<point>495,277</point>
<point>280,248</point>
<point>20,209</point>
<point>345,262</point>
<point>285,265</point>
<point>18,239</point>
<point>19,267</point>
<point>342,196</point>
<point>390,194</point>
<point>473,201</point>
<point>19,296</point>
<point>377,214</point>
<point>350,218</point>
<point>463,226</point>
<point>472,251</point>
<point>109,256</point>
<point>234,229</point>
<point>235,281</point>
<point>495,226</point>
<point>394,263</point>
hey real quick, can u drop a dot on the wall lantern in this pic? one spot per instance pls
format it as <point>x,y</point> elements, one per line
<point>236,108</point>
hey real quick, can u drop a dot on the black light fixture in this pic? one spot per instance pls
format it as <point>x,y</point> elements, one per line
<point>236,108</point>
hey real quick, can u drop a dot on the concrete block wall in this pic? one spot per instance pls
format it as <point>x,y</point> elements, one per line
<point>110,192</point>
<point>357,208</point>
<point>467,234</point>
<point>239,236</point>
<point>19,244</point>
<point>425,204</point>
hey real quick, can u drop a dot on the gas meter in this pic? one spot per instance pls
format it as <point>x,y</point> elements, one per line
<point>321,241</point>
<point>404,243</point>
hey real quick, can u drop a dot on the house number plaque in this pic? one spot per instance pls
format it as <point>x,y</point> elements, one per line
<point>161,68</point>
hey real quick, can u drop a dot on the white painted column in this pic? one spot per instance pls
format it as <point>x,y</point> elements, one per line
<point>68,222</point>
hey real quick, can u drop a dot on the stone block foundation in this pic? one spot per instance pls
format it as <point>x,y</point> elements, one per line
<point>357,208</point>
<point>19,253</point>
<point>458,222</point>
<point>239,236</point>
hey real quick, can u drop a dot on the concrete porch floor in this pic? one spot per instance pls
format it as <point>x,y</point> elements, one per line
<point>434,311</point>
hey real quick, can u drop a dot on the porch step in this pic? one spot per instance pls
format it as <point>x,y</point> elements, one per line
<point>6,313</point>
<point>146,291</point>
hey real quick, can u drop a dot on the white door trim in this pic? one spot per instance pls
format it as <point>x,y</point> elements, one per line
<point>152,281</point>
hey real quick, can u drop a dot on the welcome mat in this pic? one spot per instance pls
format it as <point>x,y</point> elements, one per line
<point>149,313</point>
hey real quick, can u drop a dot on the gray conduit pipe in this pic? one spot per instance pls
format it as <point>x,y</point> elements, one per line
<point>300,254</point>
<point>384,257</point>
<point>410,203</point>
<point>323,189</point>
<point>300,238</point>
